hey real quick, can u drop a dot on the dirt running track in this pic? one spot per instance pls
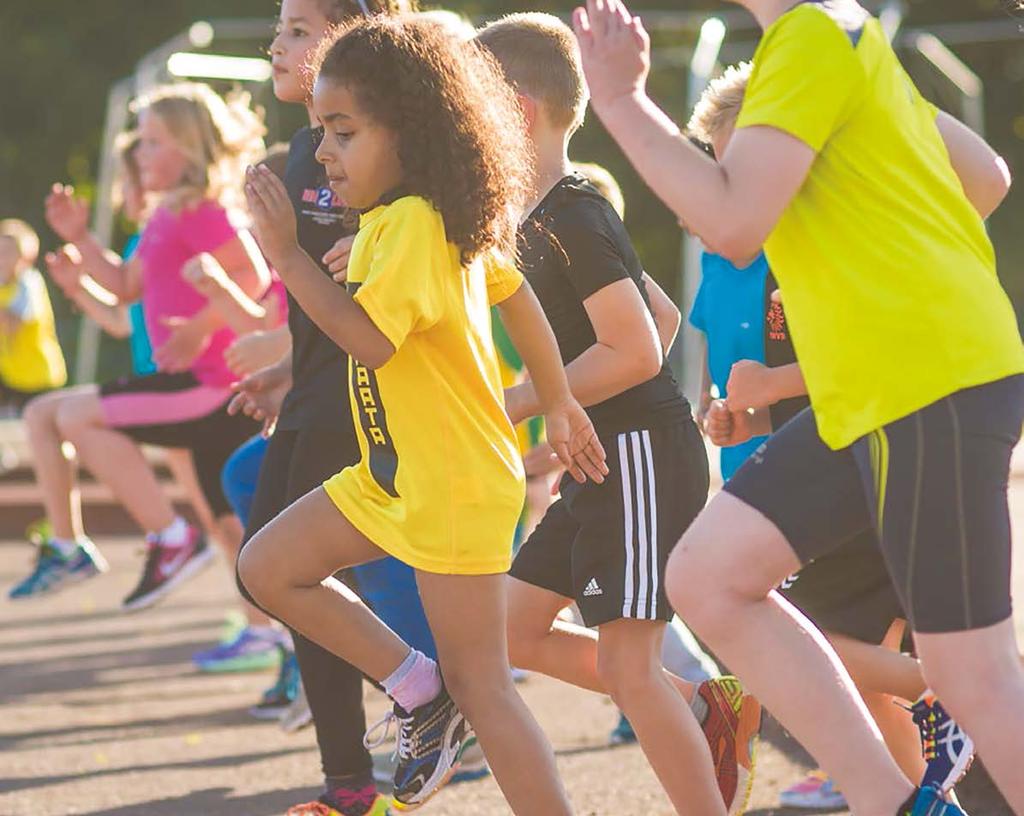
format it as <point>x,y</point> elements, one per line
<point>102,714</point>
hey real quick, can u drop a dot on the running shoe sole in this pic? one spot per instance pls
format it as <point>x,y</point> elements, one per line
<point>748,737</point>
<point>192,568</point>
<point>244,663</point>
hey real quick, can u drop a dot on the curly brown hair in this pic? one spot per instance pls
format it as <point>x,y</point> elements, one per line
<point>339,11</point>
<point>461,134</point>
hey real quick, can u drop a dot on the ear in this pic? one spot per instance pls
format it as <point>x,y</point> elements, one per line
<point>530,109</point>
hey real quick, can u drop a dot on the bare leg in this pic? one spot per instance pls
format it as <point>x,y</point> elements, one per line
<point>116,461</point>
<point>538,641</point>
<point>878,669</point>
<point>720,579</point>
<point>467,615</point>
<point>55,475</point>
<point>978,677</point>
<point>901,735</point>
<point>629,662</point>
<point>179,462</point>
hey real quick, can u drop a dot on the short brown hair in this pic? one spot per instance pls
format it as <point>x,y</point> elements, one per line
<point>23,235</point>
<point>341,11</point>
<point>541,59</point>
<point>720,103</point>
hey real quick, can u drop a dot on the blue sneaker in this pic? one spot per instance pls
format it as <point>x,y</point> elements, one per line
<point>946,748</point>
<point>622,733</point>
<point>430,740</point>
<point>284,692</point>
<point>54,571</point>
<point>472,763</point>
<point>929,802</point>
<point>247,651</point>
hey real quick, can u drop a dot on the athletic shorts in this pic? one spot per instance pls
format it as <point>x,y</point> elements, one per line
<point>932,486</point>
<point>177,411</point>
<point>606,545</point>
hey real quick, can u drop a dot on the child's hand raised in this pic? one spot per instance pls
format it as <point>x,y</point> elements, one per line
<point>272,215</point>
<point>205,274</point>
<point>260,396</point>
<point>574,440</point>
<point>67,216</point>
<point>615,50</point>
<point>337,257</point>
<point>188,339</point>
<point>65,268</point>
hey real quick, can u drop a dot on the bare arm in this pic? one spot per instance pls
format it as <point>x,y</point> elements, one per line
<point>667,316</point>
<point>753,385</point>
<point>102,307</point>
<point>627,352</point>
<point>982,172</point>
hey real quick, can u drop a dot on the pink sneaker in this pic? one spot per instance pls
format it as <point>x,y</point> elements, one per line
<point>816,791</point>
<point>167,567</point>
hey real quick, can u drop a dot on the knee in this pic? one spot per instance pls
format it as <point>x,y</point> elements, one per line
<point>255,573</point>
<point>524,639</point>
<point>626,677</point>
<point>69,420</point>
<point>39,414</point>
<point>964,692</point>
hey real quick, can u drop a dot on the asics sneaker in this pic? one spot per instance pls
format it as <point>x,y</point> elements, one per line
<point>731,721</point>
<point>430,741</point>
<point>946,748</point>
<point>168,567</point>
<point>53,570</point>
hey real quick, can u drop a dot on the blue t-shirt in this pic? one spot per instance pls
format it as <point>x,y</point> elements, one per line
<point>138,340</point>
<point>729,310</point>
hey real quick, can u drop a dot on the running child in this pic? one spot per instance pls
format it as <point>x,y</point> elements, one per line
<point>605,545</point>
<point>439,484</point>
<point>193,144</point>
<point>912,358</point>
<point>31,360</point>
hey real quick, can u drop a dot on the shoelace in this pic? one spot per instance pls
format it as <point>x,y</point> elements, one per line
<point>405,742</point>
<point>368,742</point>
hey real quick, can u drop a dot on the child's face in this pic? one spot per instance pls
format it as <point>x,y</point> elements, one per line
<point>359,155</point>
<point>161,162</point>
<point>300,26</point>
<point>10,259</point>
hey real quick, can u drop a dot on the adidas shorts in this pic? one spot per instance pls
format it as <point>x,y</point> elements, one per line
<point>605,546</point>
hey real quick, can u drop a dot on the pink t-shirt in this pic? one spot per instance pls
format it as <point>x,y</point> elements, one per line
<point>168,241</point>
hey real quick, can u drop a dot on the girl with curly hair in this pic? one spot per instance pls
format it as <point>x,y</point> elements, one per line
<point>423,136</point>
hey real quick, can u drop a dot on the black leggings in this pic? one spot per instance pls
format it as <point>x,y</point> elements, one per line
<point>295,463</point>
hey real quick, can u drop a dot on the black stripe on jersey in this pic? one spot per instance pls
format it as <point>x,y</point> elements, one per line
<point>373,420</point>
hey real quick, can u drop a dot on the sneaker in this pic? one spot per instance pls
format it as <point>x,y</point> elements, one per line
<point>248,651</point>
<point>53,570</point>
<point>946,748</point>
<point>298,715</point>
<point>623,733</point>
<point>277,699</point>
<point>929,802</point>
<point>430,740</point>
<point>816,791</point>
<point>168,567</point>
<point>339,806</point>
<point>731,721</point>
<point>472,763</point>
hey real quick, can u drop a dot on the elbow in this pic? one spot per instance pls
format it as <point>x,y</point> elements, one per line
<point>649,363</point>
<point>999,187</point>
<point>738,243</point>
<point>374,360</point>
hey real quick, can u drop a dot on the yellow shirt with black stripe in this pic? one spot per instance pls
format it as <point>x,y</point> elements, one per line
<point>887,273</point>
<point>440,484</point>
<point>30,357</point>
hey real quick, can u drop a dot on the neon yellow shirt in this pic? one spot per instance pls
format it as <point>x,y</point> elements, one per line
<point>440,484</point>
<point>30,357</point>
<point>887,274</point>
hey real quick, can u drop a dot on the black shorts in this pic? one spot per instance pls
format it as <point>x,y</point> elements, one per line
<point>17,398</point>
<point>177,411</point>
<point>605,546</point>
<point>931,485</point>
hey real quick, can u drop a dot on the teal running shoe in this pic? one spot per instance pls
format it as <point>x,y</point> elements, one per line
<point>54,571</point>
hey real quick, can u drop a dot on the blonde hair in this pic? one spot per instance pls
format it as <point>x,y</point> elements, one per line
<point>720,103</point>
<point>127,165</point>
<point>23,236</point>
<point>218,137</point>
<point>541,59</point>
<point>605,183</point>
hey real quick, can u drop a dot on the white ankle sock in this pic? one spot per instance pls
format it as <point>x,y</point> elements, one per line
<point>174,534</point>
<point>415,682</point>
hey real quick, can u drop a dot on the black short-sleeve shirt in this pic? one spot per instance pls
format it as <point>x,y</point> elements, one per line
<point>778,351</point>
<point>319,393</point>
<point>572,245</point>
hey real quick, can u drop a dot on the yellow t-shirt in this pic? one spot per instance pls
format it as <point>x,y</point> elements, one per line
<point>440,483</point>
<point>30,357</point>
<point>887,274</point>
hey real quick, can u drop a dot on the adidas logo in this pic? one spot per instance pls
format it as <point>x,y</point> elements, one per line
<point>592,589</point>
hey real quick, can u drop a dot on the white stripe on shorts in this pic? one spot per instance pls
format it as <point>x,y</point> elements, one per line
<point>643,549</point>
<point>627,533</point>
<point>652,506</point>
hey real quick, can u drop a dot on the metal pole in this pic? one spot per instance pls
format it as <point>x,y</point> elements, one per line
<point>960,74</point>
<point>687,354</point>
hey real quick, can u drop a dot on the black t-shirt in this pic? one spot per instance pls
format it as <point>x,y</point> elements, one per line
<point>572,245</point>
<point>778,351</point>
<point>319,393</point>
